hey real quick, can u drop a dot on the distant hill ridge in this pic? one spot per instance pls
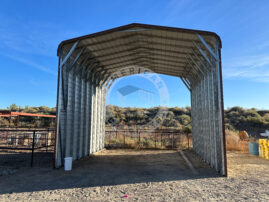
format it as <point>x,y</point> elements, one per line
<point>254,121</point>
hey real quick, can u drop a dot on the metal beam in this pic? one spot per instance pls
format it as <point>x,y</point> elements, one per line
<point>203,54</point>
<point>76,59</point>
<point>150,36</point>
<point>175,61</point>
<point>196,72</point>
<point>198,67</point>
<point>201,61</point>
<point>207,47</point>
<point>179,53</point>
<point>142,43</point>
<point>143,61</point>
<point>81,66</point>
<point>185,83</point>
<point>127,55</point>
<point>69,54</point>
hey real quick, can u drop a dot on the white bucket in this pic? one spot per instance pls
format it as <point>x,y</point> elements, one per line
<point>68,163</point>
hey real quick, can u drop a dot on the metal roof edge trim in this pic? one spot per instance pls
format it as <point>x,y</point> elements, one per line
<point>146,26</point>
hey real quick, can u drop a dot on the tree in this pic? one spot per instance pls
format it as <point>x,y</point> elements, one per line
<point>13,107</point>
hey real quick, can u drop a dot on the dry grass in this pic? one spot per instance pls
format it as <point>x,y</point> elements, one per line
<point>148,142</point>
<point>233,142</point>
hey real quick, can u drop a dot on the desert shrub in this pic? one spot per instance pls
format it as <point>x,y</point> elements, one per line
<point>233,142</point>
<point>229,127</point>
<point>4,122</point>
<point>187,129</point>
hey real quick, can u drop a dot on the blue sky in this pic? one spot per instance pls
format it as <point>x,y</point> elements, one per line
<point>30,32</point>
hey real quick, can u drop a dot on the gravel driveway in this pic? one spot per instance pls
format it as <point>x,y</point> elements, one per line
<point>147,175</point>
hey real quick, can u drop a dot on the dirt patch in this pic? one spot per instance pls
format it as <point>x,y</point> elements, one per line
<point>144,176</point>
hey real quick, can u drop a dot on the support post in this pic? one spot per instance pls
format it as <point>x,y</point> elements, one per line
<point>33,149</point>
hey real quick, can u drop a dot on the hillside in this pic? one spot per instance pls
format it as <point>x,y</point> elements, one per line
<point>236,118</point>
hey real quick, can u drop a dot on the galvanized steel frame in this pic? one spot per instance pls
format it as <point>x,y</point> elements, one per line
<point>83,78</point>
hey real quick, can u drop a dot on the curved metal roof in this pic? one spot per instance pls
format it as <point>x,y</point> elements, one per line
<point>164,50</point>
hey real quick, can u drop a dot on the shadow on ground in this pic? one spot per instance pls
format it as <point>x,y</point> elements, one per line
<point>111,167</point>
<point>24,158</point>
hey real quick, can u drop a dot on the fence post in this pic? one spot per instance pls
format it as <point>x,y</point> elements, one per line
<point>139,139</point>
<point>33,148</point>
<point>172,140</point>
<point>161,139</point>
<point>46,139</point>
<point>155,140</point>
<point>124,138</point>
<point>188,141</point>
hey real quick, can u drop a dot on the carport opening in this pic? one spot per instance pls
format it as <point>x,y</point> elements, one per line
<point>88,64</point>
<point>133,114</point>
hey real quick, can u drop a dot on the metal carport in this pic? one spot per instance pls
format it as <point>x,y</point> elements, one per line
<point>85,67</point>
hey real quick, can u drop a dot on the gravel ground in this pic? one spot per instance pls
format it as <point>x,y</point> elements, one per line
<point>143,176</point>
